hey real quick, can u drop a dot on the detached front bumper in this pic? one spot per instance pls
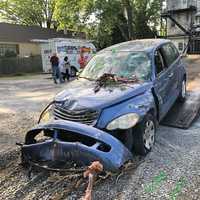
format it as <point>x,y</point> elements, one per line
<point>74,142</point>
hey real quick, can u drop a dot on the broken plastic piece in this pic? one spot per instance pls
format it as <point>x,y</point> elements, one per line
<point>67,144</point>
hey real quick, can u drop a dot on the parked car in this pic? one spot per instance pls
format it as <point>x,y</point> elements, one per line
<point>125,90</point>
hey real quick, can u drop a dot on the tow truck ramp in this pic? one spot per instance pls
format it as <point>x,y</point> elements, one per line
<point>182,115</point>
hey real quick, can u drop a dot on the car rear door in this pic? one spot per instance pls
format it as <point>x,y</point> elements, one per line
<point>165,78</point>
<point>172,61</point>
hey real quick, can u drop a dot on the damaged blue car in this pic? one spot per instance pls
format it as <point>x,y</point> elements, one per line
<point>113,107</point>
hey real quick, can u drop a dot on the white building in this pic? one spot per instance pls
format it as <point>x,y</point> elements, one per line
<point>187,14</point>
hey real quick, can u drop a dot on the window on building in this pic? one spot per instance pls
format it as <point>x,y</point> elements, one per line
<point>180,46</point>
<point>172,24</point>
<point>12,48</point>
<point>184,1</point>
<point>197,19</point>
<point>187,17</point>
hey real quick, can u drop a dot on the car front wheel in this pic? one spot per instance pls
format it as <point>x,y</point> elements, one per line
<point>182,94</point>
<point>144,135</point>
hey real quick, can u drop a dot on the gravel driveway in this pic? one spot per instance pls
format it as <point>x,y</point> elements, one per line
<point>170,171</point>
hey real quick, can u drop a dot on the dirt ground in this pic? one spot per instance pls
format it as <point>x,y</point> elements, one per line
<point>170,171</point>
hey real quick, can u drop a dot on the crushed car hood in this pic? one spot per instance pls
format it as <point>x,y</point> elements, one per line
<point>80,93</point>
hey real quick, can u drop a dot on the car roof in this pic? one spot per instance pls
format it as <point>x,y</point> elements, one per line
<point>137,45</point>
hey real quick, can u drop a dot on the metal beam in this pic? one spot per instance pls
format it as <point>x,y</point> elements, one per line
<point>168,15</point>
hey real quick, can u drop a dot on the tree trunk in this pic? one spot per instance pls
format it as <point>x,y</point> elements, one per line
<point>124,35</point>
<point>48,24</point>
<point>129,12</point>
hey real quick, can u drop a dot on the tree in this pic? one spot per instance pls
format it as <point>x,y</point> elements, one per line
<point>28,12</point>
<point>105,21</point>
<point>146,18</point>
<point>126,19</point>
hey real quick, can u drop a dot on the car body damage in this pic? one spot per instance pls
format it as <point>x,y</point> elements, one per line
<point>74,142</point>
<point>112,108</point>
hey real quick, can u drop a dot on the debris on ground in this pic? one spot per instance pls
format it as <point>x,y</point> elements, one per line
<point>92,171</point>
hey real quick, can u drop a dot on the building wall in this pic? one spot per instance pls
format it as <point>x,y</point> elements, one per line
<point>188,17</point>
<point>180,4</point>
<point>183,19</point>
<point>27,49</point>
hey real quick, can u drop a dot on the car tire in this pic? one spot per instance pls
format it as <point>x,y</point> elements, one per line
<point>24,162</point>
<point>73,71</point>
<point>144,135</point>
<point>183,91</point>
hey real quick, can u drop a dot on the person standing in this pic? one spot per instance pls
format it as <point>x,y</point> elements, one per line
<point>65,69</point>
<point>82,60</point>
<point>55,68</point>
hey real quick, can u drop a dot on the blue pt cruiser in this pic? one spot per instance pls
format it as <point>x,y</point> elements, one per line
<point>117,102</point>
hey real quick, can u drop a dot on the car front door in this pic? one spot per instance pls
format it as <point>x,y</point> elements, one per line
<point>164,81</point>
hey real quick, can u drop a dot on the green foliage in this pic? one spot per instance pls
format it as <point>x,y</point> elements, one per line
<point>28,12</point>
<point>146,18</point>
<point>156,182</point>
<point>113,20</point>
<point>105,21</point>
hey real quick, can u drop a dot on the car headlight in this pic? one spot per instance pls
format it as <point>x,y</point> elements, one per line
<point>47,115</point>
<point>124,122</point>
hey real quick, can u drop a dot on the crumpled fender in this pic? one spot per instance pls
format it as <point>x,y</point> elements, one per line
<point>54,149</point>
<point>140,105</point>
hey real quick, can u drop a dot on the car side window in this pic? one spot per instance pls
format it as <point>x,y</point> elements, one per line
<point>169,53</point>
<point>175,51</point>
<point>159,62</point>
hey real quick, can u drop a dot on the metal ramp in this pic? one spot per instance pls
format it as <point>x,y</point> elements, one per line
<point>182,115</point>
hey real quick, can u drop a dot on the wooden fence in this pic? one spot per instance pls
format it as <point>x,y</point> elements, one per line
<point>18,65</point>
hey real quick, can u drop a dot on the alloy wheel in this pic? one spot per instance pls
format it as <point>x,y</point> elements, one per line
<point>149,135</point>
<point>183,91</point>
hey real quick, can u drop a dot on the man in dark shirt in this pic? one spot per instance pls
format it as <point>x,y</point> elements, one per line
<point>55,68</point>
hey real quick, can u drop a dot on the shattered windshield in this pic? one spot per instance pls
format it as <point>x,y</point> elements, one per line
<point>121,64</point>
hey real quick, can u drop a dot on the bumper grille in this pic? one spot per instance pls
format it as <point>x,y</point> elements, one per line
<point>83,116</point>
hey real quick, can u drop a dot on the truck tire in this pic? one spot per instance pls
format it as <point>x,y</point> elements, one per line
<point>144,135</point>
<point>73,71</point>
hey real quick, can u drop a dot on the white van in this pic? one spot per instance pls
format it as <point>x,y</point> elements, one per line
<point>66,47</point>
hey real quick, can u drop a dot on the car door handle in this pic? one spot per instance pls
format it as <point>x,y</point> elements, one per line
<point>171,75</point>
